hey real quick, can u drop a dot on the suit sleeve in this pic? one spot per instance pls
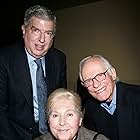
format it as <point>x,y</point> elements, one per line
<point>6,130</point>
<point>63,73</point>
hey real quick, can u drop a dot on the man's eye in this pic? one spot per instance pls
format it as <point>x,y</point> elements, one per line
<point>50,33</point>
<point>35,30</point>
<point>100,74</point>
<point>88,81</point>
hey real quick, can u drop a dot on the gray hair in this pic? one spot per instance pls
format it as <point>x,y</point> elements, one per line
<point>96,56</point>
<point>39,12</point>
<point>65,94</point>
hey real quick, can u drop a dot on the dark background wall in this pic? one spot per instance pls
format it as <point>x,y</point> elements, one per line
<point>12,12</point>
<point>110,28</point>
<point>107,27</point>
<point>10,21</point>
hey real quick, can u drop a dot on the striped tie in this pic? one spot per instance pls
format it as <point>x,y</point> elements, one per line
<point>41,95</point>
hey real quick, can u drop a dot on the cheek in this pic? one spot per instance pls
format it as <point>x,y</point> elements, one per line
<point>109,89</point>
<point>52,122</point>
<point>74,126</point>
<point>48,45</point>
<point>50,42</point>
<point>75,123</point>
<point>110,85</point>
<point>27,38</point>
<point>91,91</point>
<point>53,126</point>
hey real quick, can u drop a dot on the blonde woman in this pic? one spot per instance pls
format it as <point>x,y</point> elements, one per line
<point>65,118</point>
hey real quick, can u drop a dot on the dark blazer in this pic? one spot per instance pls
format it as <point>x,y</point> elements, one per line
<point>128,113</point>
<point>16,97</point>
<point>83,134</point>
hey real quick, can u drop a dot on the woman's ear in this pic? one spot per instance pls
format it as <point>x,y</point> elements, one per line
<point>80,122</point>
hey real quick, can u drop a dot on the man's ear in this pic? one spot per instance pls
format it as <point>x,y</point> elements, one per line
<point>82,83</point>
<point>113,73</point>
<point>23,29</point>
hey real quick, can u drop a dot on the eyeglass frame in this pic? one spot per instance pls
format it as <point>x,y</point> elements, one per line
<point>92,79</point>
<point>37,32</point>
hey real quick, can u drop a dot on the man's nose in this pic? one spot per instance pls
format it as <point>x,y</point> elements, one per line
<point>95,83</point>
<point>42,37</point>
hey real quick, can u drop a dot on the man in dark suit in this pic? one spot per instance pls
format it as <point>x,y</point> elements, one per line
<point>19,115</point>
<point>113,107</point>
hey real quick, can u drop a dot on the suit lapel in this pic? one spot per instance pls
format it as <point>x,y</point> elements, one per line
<point>50,71</point>
<point>123,111</point>
<point>23,76</point>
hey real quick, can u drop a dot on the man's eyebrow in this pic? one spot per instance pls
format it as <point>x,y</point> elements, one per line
<point>51,30</point>
<point>34,27</point>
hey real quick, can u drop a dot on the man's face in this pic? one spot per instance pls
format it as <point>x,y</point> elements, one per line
<point>101,80</point>
<point>38,36</point>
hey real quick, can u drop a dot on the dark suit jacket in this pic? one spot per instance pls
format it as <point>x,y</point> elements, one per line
<point>128,114</point>
<point>16,97</point>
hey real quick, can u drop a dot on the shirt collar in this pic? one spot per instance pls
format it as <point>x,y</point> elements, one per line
<point>114,96</point>
<point>31,58</point>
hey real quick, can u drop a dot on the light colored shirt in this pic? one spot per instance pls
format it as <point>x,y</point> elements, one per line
<point>111,108</point>
<point>33,68</point>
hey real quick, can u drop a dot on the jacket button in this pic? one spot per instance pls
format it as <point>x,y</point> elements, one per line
<point>30,129</point>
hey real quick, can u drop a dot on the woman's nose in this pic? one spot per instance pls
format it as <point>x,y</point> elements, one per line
<point>62,120</point>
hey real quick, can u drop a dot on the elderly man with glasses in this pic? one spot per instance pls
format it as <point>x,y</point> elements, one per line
<point>113,108</point>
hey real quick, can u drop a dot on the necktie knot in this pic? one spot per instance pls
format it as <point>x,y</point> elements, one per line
<point>40,70</point>
<point>38,62</point>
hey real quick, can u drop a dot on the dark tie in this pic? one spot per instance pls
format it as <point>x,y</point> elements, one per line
<point>41,95</point>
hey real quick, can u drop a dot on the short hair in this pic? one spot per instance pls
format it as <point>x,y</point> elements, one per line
<point>96,56</point>
<point>39,12</point>
<point>62,93</point>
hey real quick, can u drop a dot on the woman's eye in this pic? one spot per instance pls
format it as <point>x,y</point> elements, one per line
<point>69,115</point>
<point>54,115</point>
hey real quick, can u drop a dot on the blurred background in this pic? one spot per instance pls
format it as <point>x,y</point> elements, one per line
<point>84,27</point>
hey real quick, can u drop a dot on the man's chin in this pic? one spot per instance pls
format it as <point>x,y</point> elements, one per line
<point>102,98</point>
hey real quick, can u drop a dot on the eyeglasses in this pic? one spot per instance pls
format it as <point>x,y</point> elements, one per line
<point>37,33</point>
<point>99,77</point>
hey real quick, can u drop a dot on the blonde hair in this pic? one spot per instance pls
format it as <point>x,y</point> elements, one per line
<point>65,94</point>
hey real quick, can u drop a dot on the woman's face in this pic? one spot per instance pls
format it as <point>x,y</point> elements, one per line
<point>64,120</point>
